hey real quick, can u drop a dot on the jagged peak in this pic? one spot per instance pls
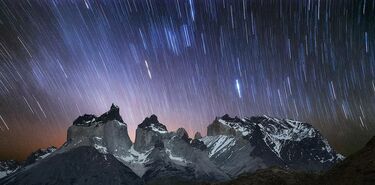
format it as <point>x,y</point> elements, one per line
<point>152,123</point>
<point>226,117</point>
<point>112,114</point>
<point>88,119</point>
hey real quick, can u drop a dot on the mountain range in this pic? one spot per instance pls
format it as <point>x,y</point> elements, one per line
<point>98,150</point>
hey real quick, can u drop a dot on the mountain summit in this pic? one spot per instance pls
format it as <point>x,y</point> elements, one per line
<point>158,156</point>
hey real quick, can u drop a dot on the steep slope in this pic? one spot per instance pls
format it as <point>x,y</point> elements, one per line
<point>80,166</point>
<point>262,142</point>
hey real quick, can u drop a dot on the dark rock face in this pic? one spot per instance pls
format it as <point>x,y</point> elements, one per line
<point>196,143</point>
<point>197,135</point>
<point>152,122</point>
<point>181,133</point>
<point>80,166</point>
<point>216,128</point>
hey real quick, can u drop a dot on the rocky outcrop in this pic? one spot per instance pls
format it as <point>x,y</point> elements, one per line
<point>149,133</point>
<point>216,128</point>
<point>108,133</point>
<point>197,135</point>
<point>89,119</point>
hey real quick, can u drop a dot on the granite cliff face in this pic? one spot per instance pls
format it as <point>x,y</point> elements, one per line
<point>158,156</point>
<point>107,132</point>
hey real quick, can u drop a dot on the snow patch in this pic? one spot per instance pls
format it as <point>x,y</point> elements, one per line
<point>157,129</point>
<point>135,156</point>
<point>176,158</point>
<point>101,149</point>
<point>218,144</point>
<point>237,126</point>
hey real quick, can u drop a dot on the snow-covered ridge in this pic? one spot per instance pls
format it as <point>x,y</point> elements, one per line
<point>281,129</point>
<point>275,132</point>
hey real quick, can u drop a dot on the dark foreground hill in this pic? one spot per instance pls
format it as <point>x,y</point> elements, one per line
<point>80,166</point>
<point>358,168</point>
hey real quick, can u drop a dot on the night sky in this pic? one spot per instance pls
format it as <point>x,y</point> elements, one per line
<point>186,61</point>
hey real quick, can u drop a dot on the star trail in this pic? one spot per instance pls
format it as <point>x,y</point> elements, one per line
<point>186,61</point>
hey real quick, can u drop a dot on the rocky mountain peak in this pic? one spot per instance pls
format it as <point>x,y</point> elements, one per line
<point>149,134</point>
<point>181,133</point>
<point>226,117</point>
<point>112,114</point>
<point>108,132</point>
<point>90,119</point>
<point>152,123</point>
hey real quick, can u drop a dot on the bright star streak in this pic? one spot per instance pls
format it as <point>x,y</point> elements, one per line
<point>4,122</point>
<point>238,88</point>
<point>148,69</point>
